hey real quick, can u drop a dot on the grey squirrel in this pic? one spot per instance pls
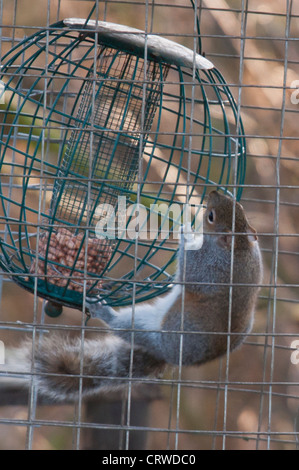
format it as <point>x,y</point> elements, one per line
<point>187,325</point>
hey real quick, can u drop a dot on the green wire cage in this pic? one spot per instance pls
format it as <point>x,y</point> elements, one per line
<point>98,120</point>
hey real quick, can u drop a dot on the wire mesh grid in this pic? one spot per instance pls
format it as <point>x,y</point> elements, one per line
<point>245,400</point>
<point>109,108</point>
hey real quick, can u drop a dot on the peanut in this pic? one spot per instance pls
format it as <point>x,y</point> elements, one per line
<point>63,248</point>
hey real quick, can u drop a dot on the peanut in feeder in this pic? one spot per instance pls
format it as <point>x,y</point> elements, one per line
<point>95,111</point>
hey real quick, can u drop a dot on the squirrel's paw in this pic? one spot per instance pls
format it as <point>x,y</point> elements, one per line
<point>191,240</point>
<point>186,233</point>
<point>100,310</point>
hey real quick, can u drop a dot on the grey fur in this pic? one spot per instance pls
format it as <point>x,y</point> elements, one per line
<point>188,326</point>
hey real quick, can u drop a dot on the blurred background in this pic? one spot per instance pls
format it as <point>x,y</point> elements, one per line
<point>252,402</point>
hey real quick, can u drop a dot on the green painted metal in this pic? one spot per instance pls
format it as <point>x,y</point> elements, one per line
<point>85,123</point>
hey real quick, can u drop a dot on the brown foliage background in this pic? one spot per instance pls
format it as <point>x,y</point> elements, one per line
<point>253,403</point>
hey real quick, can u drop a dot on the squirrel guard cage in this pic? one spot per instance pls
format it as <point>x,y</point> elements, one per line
<point>97,118</point>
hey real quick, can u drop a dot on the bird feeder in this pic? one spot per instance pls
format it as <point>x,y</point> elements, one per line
<point>100,119</point>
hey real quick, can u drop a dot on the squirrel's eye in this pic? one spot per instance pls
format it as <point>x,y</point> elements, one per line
<point>211,217</point>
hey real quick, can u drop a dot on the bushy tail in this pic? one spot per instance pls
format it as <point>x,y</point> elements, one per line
<point>60,363</point>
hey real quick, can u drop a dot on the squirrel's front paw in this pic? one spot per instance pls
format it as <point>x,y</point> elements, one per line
<point>191,240</point>
<point>100,310</point>
<point>186,232</point>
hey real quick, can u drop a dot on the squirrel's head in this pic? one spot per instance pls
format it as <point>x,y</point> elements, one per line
<point>223,217</point>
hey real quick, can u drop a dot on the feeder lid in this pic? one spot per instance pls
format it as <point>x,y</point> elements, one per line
<point>134,41</point>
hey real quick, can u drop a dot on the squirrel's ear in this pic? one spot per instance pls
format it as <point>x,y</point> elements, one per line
<point>252,236</point>
<point>225,240</point>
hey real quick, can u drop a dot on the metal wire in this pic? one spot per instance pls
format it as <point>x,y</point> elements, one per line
<point>116,133</point>
<point>248,399</point>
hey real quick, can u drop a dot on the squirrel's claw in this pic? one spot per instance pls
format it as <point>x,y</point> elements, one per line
<point>99,310</point>
<point>190,239</point>
<point>186,232</point>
